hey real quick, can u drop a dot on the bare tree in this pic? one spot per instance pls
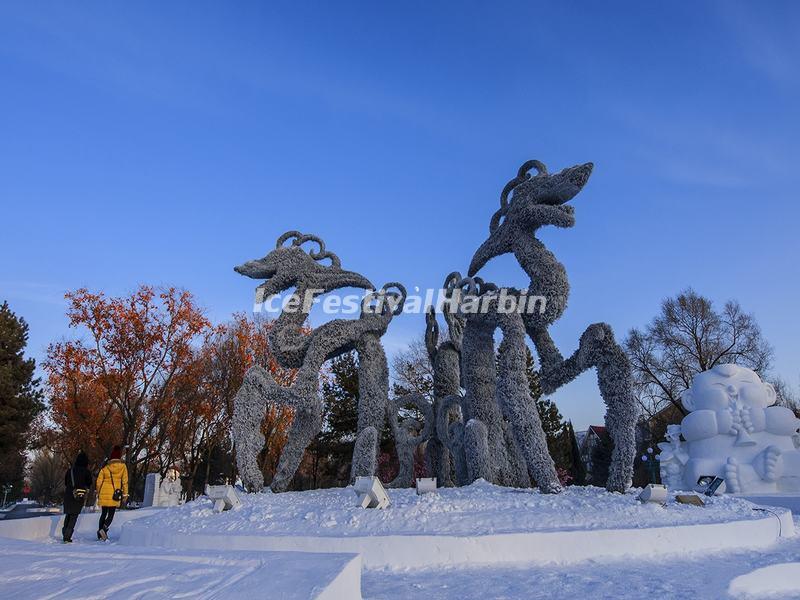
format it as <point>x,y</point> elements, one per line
<point>412,370</point>
<point>688,337</point>
<point>786,396</point>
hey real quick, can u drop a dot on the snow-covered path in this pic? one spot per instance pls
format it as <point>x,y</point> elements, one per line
<point>88,569</point>
<point>692,577</point>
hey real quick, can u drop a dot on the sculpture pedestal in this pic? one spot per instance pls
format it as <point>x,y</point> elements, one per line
<point>477,524</point>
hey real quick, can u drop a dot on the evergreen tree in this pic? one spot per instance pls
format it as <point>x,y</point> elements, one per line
<point>340,394</point>
<point>548,411</point>
<point>578,469</point>
<point>601,459</point>
<point>20,397</point>
<point>327,460</point>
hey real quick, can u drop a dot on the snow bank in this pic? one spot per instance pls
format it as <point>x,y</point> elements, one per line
<point>478,524</point>
<point>478,509</point>
<point>43,528</point>
<point>774,580</point>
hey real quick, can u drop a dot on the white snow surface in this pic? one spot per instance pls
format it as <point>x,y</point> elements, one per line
<point>775,580</point>
<point>478,509</point>
<point>91,569</point>
<point>711,575</point>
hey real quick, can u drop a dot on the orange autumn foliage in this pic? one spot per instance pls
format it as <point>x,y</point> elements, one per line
<point>114,387</point>
<point>154,374</point>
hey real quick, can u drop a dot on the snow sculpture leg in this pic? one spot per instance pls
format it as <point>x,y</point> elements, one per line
<point>598,349</point>
<point>306,424</point>
<point>445,448</point>
<point>480,377</point>
<point>450,429</point>
<point>373,395</point>
<point>437,461</point>
<point>476,449</point>
<point>520,410</point>
<point>248,412</point>
<point>365,454</point>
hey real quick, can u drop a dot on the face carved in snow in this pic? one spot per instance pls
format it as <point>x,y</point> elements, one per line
<point>724,385</point>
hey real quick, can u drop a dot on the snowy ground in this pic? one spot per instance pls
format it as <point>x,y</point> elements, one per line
<point>88,569</point>
<point>91,569</point>
<point>478,509</point>
<point>693,577</point>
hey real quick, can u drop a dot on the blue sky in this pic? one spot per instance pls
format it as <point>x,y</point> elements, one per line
<point>164,143</point>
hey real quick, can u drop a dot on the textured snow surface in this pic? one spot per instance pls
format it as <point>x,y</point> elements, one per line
<point>91,569</point>
<point>478,509</point>
<point>771,581</point>
<point>706,576</point>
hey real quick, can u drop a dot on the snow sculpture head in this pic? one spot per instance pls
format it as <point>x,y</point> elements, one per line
<point>536,202</point>
<point>723,385</point>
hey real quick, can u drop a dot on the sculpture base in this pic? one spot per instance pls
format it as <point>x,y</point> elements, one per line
<point>479,524</point>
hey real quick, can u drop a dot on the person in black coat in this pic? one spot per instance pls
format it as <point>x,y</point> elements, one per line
<point>77,483</point>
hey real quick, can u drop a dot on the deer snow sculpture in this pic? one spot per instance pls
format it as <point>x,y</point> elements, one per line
<point>291,266</point>
<point>538,201</point>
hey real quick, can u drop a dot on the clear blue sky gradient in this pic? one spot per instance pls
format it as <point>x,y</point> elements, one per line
<point>165,142</point>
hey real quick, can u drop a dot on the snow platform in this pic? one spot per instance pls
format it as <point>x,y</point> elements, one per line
<point>34,563</point>
<point>789,501</point>
<point>479,524</point>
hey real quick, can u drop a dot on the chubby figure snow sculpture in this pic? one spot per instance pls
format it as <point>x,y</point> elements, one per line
<point>535,203</point>
<point>735,431</point>
<point>292,266</point>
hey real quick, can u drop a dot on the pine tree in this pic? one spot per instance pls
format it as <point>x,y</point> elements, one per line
<point>601,459</point>
<point>548,411</point>
<point>20,397</point>
<point>327,461</point>
<point>340,394</point>
<point>577,469</point>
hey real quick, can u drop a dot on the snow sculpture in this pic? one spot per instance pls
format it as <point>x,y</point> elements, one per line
<point>537,202</point>
<point>169,492</point>
<point>735,431</point>
<point>672,458</point>
<point>288,267</point>
<point>493,432</point>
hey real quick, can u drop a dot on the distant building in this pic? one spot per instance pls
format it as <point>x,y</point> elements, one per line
<point>587,442</point>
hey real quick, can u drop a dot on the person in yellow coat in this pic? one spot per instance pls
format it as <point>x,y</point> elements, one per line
<point>112,490</point>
